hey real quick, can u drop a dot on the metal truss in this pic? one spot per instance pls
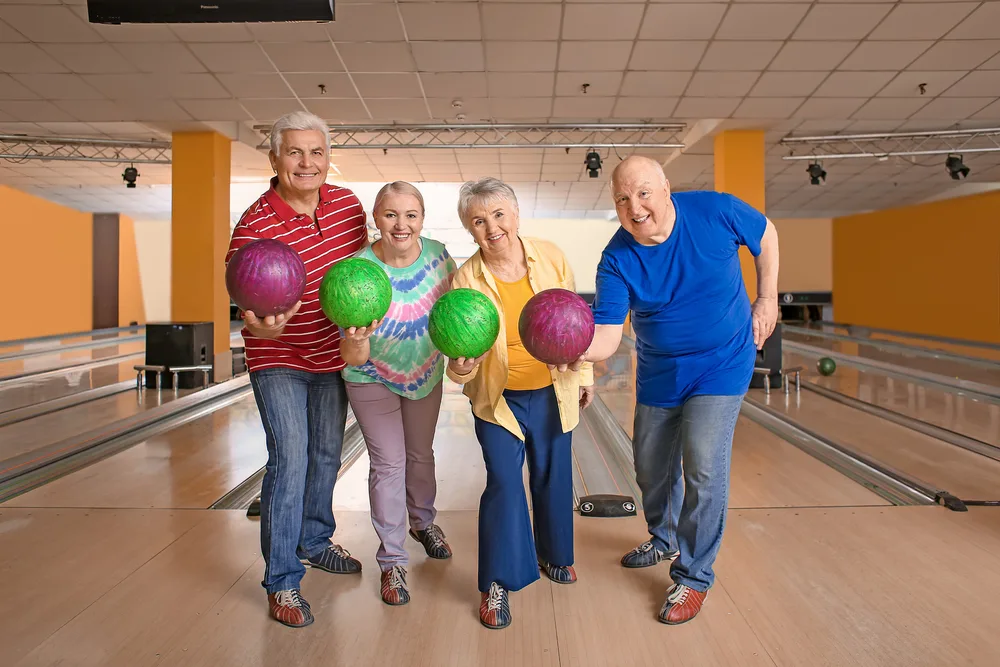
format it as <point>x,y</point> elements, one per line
<point>511,135</point>
<point>883,146</point>
<point>18,148</point>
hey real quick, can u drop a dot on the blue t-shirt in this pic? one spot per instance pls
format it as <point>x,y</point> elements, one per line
<point>690,309</point>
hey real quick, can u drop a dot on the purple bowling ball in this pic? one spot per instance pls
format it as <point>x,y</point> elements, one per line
<point>556,326</point>
<point>266,277</point>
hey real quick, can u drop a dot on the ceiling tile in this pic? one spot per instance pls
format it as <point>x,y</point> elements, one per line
<point>583,107</point>
<point>48,23</point>
<point>524,107</point>
<point>950,108</point>
<point>603,21</point>
<point>679,55</point>
<point>401,110</point>
<point>811,56</point>
<point>889,108</point>
<point>588,56</point>
<point>521,56</point>
<point>337,85</point>
<point>655,84</point>
<point>907,84</point>
<point>448,56</point>
<point>10,89</point>
<point>706,107</point>
<point>992,112</point>
<point>461,84</point>
<point>269,109</point>
<point>723,84</point>
<point>136,33</point>
<point>681,21</point>
<point>216,32</point>
<point>236,57</point>
<point>860,126</point>
<point>843,84</point>
<point>59,86</point>
<point>403,84</point>
<point>761,21</point>
<point>981,24</point>
<point>768,107</point>
<point>930,20</point>
<point>148,110</point>
<point>8,34</point>
<point>374,57</point>
<point>992,63</point>
<point>94,110</point>
<point>787,84</point>
<point>292,32</point>
<point>829,107</point>
<point>430,21</point>
<point>522,84</point>
<point>215,110</point>
<point>841,21</point>
<point>27,58</point>
<point>739,55</point>
<point>985,83</point>
<point>884,55</point>
<point>255,85</point>
<point>645,107</point>
<point>164,58</point>
<point>475,108</point>
<point>365,23</point>
<point>90,58</point>
<point>337,111</point>
<point>955,55</point>
<point>602,84</point>
<point>521,22</point>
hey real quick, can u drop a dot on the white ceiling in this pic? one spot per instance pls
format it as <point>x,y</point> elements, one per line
<point>785,67</point>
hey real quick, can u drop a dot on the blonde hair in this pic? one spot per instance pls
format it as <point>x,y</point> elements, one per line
<point>398,188</point>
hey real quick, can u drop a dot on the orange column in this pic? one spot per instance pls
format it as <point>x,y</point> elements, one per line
<point>200,237</point>
<point>739,170</point>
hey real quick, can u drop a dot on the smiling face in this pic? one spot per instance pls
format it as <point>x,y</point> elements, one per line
<point>400,218</point>
<point>303,163</point>
<point>493,223</point>
<point>642,200</point>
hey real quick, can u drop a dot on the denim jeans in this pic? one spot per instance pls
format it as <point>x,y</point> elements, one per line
<point>682,457</point>
<point>304,415</point>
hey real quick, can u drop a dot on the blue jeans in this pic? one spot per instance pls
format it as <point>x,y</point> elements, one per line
<point>509,549</point>
<point>303,416</point>
<point>685,505</point>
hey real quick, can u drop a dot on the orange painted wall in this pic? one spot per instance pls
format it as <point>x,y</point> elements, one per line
<point>50,292</point>
<point>932,268</point>
<point>131,307</point>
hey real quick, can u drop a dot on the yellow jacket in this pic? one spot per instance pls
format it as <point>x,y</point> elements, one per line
<point>547,268</point>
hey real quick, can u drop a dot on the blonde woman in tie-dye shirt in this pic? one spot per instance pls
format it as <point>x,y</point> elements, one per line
<point>393,382</point>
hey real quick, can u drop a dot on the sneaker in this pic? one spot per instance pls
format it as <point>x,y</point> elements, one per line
<point>290,608</point>
<point>494,610</point>
<point>682,604</point>
<point>646,555</point>
<point>335,559</point>
<point>433,540</point>
<point>561,574</point>
<point>394,590</point>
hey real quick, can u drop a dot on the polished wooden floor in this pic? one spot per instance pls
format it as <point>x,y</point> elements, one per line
<point>121,564</point>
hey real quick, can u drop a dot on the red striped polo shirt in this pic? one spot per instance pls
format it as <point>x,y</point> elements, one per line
<point>310,341</point>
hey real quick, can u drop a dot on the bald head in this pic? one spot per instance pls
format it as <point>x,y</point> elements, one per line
<point>638,167</point>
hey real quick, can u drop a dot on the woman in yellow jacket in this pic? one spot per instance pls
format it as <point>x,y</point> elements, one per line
<point>521,407</point>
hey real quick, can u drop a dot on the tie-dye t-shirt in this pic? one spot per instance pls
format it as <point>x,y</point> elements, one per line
<point>403,358</point>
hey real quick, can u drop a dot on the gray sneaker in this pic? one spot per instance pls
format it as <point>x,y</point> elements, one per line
<point>646,555</point>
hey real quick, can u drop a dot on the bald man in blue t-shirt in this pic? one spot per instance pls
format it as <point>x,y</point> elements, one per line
<point>674,263</point>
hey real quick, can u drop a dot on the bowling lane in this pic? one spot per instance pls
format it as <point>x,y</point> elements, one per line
<point>188,467</point>
<point>48,362</point>
<point>967,348</point>
<point>766,470</point>
<point>36,390</point>
<point>965,474</point>
<point>967,416</point>
<point>44,343</point>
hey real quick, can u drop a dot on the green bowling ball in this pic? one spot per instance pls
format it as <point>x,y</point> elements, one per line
<point>826,366</point>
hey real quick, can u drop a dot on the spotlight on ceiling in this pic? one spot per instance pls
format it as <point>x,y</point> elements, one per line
<point>129,176</point>
<point>955,166</point>
<point>593,164</point>
<point>816,172</point>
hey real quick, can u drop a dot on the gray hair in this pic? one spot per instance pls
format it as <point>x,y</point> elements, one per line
<point>297,120</point>
<point>484,190</point>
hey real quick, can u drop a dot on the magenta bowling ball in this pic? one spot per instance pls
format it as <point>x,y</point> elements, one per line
<point>266,277</point>
<point>556,326</point>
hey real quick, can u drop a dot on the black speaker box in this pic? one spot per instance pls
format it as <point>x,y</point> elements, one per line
<point>239,360</point>
<point>769,357</point>
<point>179,344</point>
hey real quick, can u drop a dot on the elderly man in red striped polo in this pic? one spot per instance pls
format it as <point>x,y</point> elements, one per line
<point>294,363</point>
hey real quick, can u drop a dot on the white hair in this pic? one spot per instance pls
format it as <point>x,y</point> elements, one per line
<point>297,120</point>
<point>484,190</point>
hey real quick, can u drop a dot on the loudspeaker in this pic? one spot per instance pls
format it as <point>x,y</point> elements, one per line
<point>179,344</point>
<point>607,505</point>
<point>115,12</point>
<point>239,360</point>
<point>769,357</point>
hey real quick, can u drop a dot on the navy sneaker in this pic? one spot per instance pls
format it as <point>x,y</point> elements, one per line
<point>433,540</point>
<point>561,574</point>
<point>646,555</point>
<point>335,559</point>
